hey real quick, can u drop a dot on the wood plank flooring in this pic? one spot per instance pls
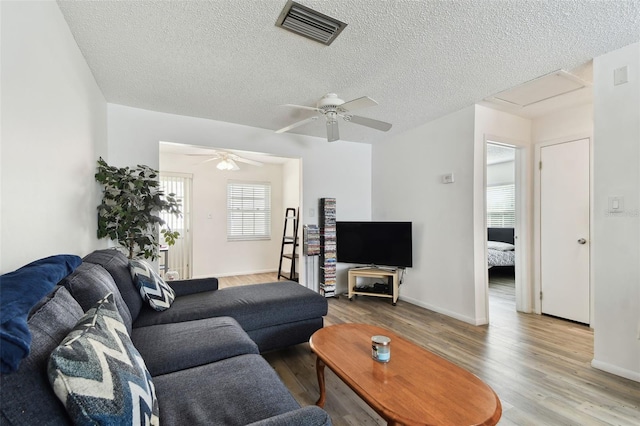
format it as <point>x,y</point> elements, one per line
<point>539,366</point>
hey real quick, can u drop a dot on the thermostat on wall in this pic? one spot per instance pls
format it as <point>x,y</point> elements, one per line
<point>448,178</point>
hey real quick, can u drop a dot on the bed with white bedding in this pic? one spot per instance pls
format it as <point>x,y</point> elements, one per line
<point>501,248</point>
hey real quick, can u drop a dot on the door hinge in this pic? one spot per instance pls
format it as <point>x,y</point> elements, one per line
<point>540,295</point>
<point>540,165</point>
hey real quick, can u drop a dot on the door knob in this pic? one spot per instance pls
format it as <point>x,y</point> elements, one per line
<point>582,241</point>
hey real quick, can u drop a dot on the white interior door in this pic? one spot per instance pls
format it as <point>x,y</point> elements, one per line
<point>564,228</point>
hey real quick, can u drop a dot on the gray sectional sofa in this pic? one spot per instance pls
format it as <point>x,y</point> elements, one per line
<point>203,353</point>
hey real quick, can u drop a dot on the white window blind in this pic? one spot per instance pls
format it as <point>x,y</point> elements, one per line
<point>248,211</point>
<point>501,201</point>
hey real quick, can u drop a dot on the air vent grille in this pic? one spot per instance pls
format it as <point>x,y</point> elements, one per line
<point>309,23</point>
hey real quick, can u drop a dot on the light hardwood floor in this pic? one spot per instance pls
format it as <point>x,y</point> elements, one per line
<point>539,366</point>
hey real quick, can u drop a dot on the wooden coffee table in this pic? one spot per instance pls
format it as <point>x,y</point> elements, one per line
<point>416,387</point>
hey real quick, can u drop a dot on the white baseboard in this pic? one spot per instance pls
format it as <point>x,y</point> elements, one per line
<point>232,274</point>
<point>446,312</point>
<point>614,369</point>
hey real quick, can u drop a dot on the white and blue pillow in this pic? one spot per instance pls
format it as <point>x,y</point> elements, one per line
<point>99,375</point>
<point>152,288</point>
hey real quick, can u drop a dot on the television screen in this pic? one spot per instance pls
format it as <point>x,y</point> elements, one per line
<point>374,243</point>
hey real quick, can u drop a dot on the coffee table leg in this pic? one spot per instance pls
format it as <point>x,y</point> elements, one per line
<point>320,373</point>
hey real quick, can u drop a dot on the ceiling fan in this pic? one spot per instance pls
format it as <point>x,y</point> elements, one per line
<point>227,160</point>
<point>332,108</point>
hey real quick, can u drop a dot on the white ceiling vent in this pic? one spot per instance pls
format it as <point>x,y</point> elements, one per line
<point>540,89</point>
<point>309,23</point>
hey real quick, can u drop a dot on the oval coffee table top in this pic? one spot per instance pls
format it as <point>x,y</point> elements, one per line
<point>414,387</point>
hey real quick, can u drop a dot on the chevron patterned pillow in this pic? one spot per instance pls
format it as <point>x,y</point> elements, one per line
<point>152,288</point>
<point>99,375</point>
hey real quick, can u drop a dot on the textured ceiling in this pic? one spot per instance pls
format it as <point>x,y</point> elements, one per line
<point>226,60</point>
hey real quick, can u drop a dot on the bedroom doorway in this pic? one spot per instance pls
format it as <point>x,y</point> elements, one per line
<point>501,224</point>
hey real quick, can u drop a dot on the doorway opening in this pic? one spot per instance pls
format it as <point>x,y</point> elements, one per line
<point>501,224</point>
<point>175,260</point>
<point>220,244</point>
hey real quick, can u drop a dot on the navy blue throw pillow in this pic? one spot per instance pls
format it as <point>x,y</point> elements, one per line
<point>20,290</point>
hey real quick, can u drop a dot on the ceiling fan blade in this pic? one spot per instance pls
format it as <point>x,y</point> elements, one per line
<point>302,107</point>
<point>233,163</point>
<point>213,156</point>
<point>369,122</point>
<point>299,123</point>
<point>332,131</point>
<point>247,161</point>
<point>363,102</point>
<point>217,157</point>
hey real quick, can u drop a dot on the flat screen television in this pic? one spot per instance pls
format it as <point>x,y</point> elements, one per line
<point>374,243</point>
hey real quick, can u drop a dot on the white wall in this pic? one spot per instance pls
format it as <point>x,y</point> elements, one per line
<point>616,246</point>
<point>213,255</point>
<point>566,123</point>
<point>341,169</point>
<point>291,198</point>
<point>291,184</point>
<point>53,131</point>
<point>501,173</point>
<point>407,186</point>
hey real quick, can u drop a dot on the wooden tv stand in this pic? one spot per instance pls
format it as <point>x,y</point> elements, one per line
<point>354,273</point>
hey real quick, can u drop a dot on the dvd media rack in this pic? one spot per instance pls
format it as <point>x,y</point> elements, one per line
<point>328,247</point>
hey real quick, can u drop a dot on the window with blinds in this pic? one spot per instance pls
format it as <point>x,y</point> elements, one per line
<point>501,202</point>
<point>248,211</point>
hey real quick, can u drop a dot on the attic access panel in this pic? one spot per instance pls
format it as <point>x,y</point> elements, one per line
<point>540,89</point>
<point>309,23</point>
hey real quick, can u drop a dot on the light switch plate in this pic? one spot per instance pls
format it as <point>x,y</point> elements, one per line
<point>616,204</point>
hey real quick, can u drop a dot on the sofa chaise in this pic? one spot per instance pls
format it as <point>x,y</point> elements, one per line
<point>202,354</point>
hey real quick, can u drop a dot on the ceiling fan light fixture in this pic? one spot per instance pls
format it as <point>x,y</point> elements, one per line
<point>224,164</point>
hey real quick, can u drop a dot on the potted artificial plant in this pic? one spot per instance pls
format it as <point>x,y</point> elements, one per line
<point>129,212</point>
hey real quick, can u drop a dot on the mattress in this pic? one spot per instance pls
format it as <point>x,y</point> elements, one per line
<point>501,258</point>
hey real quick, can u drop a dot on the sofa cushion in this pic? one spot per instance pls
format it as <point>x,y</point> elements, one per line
<point>118,266</point>
<point>152,288</point>
<point>99,375</point>
<point>172,347</point>
<point>283,335</point>
<point>90,283</point>
<point>234,391</point>
<point>20,290</point>
<point>310,415</point>
<point>253,306</point>
<point>26,398</point>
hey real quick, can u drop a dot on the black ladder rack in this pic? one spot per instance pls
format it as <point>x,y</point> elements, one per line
<point>291,214</point>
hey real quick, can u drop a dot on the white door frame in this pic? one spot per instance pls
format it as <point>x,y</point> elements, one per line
<point>523,228</point>
<point>537,271</point>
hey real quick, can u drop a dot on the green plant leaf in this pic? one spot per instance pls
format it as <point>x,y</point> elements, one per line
<point>129,210</point>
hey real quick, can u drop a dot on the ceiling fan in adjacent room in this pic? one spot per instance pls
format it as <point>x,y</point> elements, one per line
<point>228,160</point>
<point>332,108</point>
